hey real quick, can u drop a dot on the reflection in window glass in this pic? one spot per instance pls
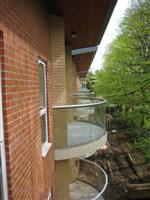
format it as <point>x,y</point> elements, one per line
<point>43,128</point>
<point>42,85</point>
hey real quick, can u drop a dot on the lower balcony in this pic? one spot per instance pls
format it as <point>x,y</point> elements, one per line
<point>90,181</point>
<point>79,129</point>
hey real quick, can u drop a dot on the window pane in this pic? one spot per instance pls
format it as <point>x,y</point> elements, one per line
<point>43,128</point>
<point>42,85</point>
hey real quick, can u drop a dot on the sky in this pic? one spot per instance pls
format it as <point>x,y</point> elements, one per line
<point>110,33</point>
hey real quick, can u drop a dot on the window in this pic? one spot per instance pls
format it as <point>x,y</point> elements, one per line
<point>83,85</point>
<point>43,108</point>
<point>43,101</point>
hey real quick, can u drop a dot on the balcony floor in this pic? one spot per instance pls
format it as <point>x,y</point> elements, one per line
<point>82,132</point>
<point>82,191</point>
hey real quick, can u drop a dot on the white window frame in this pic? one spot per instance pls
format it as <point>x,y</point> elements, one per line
<point>3,171</point>
<point>43,111</point>
<point>1,115</point>
<point>2,148</point>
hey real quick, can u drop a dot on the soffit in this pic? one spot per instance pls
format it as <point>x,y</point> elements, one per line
<point>87,20</point>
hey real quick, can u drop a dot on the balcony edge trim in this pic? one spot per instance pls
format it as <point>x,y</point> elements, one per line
<point>83,150</point>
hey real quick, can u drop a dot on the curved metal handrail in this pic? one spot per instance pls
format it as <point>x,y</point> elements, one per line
<point>104,174</point>
<point>86,115</point>
<point>98,102</point>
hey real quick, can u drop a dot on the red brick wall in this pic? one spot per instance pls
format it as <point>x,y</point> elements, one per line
<point>26,36</point>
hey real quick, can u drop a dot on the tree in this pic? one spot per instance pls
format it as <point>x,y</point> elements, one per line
<point>90,81</point>
<point>125,76</point>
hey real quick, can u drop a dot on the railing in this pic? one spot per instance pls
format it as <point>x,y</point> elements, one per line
<point>80,123</point>
<point>93,175</point>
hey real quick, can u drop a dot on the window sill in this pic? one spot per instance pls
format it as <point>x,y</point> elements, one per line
<point>45,149</point>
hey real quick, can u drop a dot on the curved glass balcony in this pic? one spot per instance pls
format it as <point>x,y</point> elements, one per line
<point>90,181</point>
<point>79,124</point>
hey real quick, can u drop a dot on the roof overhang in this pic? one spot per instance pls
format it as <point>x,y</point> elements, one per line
<point>85,23</point>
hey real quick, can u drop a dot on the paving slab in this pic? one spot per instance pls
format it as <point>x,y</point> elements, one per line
<point>81,132</point>
<point>83,191</point>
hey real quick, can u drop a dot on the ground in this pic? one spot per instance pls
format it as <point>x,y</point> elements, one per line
<point>125,166</point>
<point>82,191</point>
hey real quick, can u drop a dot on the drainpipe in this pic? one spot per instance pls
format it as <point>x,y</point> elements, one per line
<point>3,174</point>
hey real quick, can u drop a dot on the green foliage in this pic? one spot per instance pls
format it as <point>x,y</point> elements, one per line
<point>144,146</point>
<point>139,135</point>
<point>90,81</point>
<point>147,124</point>
<point>133,119</point>
<point>125,77</point>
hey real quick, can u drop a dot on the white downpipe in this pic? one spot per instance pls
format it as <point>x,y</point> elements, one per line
<point>2,149</point>
<point>1,112</point>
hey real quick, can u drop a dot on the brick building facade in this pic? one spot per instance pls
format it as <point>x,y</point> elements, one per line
<point>38,70</point>
<point>25,33</point>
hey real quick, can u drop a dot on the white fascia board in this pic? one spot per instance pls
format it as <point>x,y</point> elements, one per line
<point>1,112</point>
<point>75,52</point>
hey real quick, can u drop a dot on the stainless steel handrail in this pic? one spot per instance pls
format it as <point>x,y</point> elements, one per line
<point>104,174</point>
<point>87,114</point>
<point>98,102</point>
